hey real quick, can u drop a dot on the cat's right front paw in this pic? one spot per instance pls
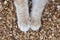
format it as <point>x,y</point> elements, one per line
<point>23,25</point>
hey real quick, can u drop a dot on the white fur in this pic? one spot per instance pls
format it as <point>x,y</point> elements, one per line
<point>38,6</point>
<point>22,15</point>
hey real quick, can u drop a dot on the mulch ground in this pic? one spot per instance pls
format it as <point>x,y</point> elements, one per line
<point>50,29</point>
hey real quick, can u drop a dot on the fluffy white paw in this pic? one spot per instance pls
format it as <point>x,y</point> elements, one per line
<point>35,25</point>
<point>22,14</point>
<point>37,9</point>
<point>23,17</point>
<point>23,26</point>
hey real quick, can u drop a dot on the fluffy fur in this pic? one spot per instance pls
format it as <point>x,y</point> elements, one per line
<point>37,9</point>
<point>22,14</point>
<point>23,18</point>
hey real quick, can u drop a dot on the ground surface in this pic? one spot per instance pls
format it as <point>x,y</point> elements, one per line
<point>50,29</point>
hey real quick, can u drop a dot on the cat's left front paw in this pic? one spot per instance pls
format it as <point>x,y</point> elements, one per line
<point>35,25</point>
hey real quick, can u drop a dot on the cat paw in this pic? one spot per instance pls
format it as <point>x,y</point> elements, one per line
<point>24,26</point>
<point>35,25</point>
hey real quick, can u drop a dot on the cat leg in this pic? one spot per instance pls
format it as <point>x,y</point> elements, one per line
<point>37,9</point>
<point>22,14</point>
